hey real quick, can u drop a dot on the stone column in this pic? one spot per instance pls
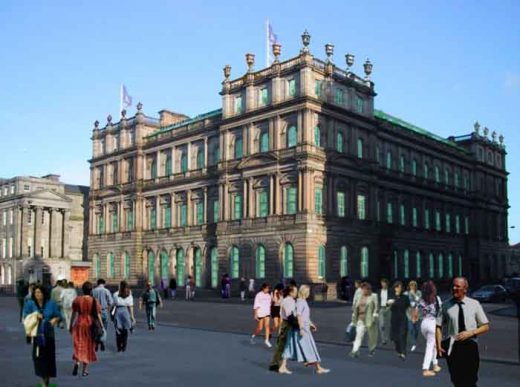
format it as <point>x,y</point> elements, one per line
<point>206,204</point>
<point>271,194</point>
<point>37,240</point>
<point>226,212</point>
<point>278,194</point>
<point>300,191</point>
<point>23,228</point>
<point>17,240</point>
<point>173,208</point>
<point>307,124</point>
<point>188,155</point>
<point>65,233</point>
<point>205,153</point>
<point>158,213</point>
<point>244,198</point>
<point>251,197</point>
<point>222,202</point>
<point>189,209</point>
<point>51,237</point>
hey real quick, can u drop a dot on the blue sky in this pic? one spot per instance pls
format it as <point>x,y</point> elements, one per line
<point>438,64</point>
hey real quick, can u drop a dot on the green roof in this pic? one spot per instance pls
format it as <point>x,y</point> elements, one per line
<point>197,118</point>
<point>406,125</point>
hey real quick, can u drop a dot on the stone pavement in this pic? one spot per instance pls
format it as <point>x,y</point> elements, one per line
<point>176,356</point>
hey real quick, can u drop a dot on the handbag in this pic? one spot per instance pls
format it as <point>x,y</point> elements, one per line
<point>350,332</point>
<point>293,322</point>
<point>96,328</point>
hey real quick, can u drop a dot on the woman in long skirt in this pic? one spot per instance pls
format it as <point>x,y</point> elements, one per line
<point>399,320</point>
<point>84,310</point>
<point>44,346</point>
<point>300,344</point>
<point>124,318</point>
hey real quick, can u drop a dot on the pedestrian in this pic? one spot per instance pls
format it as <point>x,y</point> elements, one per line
<point>300,345</point>
<point>106,302</point>
<point>226,286</point>
<point>21,291</point>
<point>465,321</point>
<point>251,287</point>
<point>385,298</point>
<point>56,296</point>
<point>262,313</point>
<point>190,288</point>
<point>151,299</point>
<point>124,319</point>
<point>288,316</point>
<point>399,320</point>
<point>429,308</point>
<point>68,295</point>
<point>358,292</point>
<point>243,288</point>
<point>44,345</point>
<point>414,323</point>
<point>164,288</point>
<point>276,298</point>
<point>364,317</point>
<point>85,309</point>
<point>173,287</point>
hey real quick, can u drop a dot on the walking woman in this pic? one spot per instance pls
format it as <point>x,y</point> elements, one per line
<point>414,323</point>
<point>399,320</point>
<point>68,295</point>
<point>276,297</point>
<point>364,317</point>
<point>429,307</point>
<point>300,344</point>
<point>262,314</point>
<point>85,309</point>
<point>124,318</point>
<point>44,346</point>
<point>288,315</point>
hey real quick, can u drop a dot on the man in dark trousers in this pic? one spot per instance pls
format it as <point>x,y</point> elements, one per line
<point>465,321</point>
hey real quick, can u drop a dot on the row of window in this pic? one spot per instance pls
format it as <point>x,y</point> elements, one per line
<point>7,190</point>
<point>433,267</point>
<point>6,249</point>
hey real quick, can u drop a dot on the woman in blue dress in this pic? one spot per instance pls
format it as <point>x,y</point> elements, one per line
<point>44,346</point>
<point>300,344</point>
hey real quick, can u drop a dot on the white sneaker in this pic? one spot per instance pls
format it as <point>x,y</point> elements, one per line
<point>413,348</point>
<point>268,344</point>
<point>252,339</point>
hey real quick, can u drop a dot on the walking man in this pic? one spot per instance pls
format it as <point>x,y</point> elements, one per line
<point>150,299</point>
<point>384,311</point>
<point>465,320</point>
<point>104,297</point>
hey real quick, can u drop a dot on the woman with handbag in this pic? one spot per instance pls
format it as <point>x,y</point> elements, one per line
<point>85,328</point>
<point>44,346</point>
<point>124,319</point>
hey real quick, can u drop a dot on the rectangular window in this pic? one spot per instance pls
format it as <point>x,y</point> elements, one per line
<point>339,142</point>
<point>414,217</point>
<point>263,204</point>
<point>466,183</point>
<point>360,148</point>
<point>361,207</point>
<point>238,104</point>
<point>426,219</point>
<point>466,225</point>
<point>130,164</point>
<point>153,218</point>
<point>402,215</point>
<point>101,224</point>
<point>216,210</point>
<point>457,180</point>
<point>184,215</point>
<point>168,165</point>
<point>318,200</point>
<point>263,97</point>
<point>237,213</point>
<point>199,207</point>
<point>339,97</point>
<point>317,88</point>
<point>414,167</point>
<point>129,220</point>
<point>114,222</point>
<point>389,160</point>
<point>340,199</point>
<point>360,104</point>
<point>401,164</point>
<point>437,174</point>
<point>426,171</point>
<point>457,224</point>
<point>200,158</point>
<point>26,187</point>
<point>184,162</point>
<point>167,216</point>
<point>292,87</point>
<point>437,221</point>
<point>448,222</point>
<point>389,212</point>
<point>238,147</point>
<point>291,200</point>
<point>446,176</point>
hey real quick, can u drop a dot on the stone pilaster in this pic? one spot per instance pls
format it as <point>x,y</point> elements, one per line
<point>37,240</point>
<point>18,227</point>
<point>65,233</point>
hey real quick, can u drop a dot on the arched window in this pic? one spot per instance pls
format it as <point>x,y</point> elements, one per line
<point>406,264</point>
<point>180,264</point>
<point>214,267</point>
<point>396,264</point>
<point>317,136</point>
<point>322,263</point>
<point>153,218</point>
<point>111,270</point>
<point>418,259</point>
<point>292,135</point>
<point>198,266</point>
<point>168,165</point>
<point>441,266</point>
<point>264,142</point>
<point>339,142</point>
<point>364,262</point>
<point>360,145</point>
<point>288,261</point>
<point>151,266</point>
<point>450,265</point>
<point>164,258</point>
<point>126,265</point>
<point>343,261</point>
<point>234,262</point>
<point>260,261</point>
<point>431,261</point>
<point>460,274</point>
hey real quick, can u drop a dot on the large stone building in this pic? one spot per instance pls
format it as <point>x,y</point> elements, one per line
<point>42,229</point>
<point>297,175</point>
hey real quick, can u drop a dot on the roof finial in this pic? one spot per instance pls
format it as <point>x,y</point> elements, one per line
<point>306,39</point>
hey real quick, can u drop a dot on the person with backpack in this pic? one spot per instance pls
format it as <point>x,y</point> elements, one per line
<point>150,299</point>
<point>429,308</point>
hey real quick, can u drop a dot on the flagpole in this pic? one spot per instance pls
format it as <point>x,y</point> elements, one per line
<point>267,54</point>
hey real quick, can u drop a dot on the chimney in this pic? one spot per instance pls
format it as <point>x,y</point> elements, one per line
<point>167,117</point>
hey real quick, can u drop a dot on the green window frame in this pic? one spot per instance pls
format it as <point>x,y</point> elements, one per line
<point>111,265</point>
<point>364,262</point>
<point>199,207</point>
<point>264,142</point>
<point>437,221</point>
<point>414,167</point>
<point>168,166</point>
<point>288,261</point>
<point>457,180</point>
<point>360,144</point>
<point>153,168</point>
<point>343,261</point>
<point>234,259</point>
<point>163,262</point>
<point>198,267</point>
<point>317,88</point>
<point>101,224</point>
<point>414,217</point>
<point>153,218</point>
<point>360,104</point>
<point>126,265</point>
<point>292,87</point>
<point>318,200</point>
<point>130,219</point>
<point>402,214</point>
<point>459,266</point>
<point>239,147</point>
<point>151,267</point>
<point>361,207</point>
<point>431,265</point>
<point>263,204</point>
<point>389,212</point>
<point>260,261</point>
<point>317,136</point>
<point>321,262</point>
<point>180,267</point>
<point>437,174</point>
<point>466,225</point>
<point>447,222</point>
<point>388,160</point>
<point>97,265</point>
<point>440,266</point>
<point>401,164</point>
<point>264,96</point>
<point>446,176</point>
<point>238,104</point>
<point>200,159</point>
<point>396,264</point>
<point>457,224</point>
<point>406,264</point>
<point>214,267</point>
<point>184,162</point>
<point>291,200</point>
<point>216,211</point>
<point>292,136</point>
<point>115,225</point>
<point>167,216</point>
<point>426,219</point>
<point>184,215</point>
<point>340,202</point>
<point>339,142</point>
<point>450,265</point>
<point>426,171</point>
<point>339,96</point>
<point>237,206</point>
<point>418,262</point>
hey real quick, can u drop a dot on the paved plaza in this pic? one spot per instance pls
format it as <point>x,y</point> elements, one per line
<point>208,354</point>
